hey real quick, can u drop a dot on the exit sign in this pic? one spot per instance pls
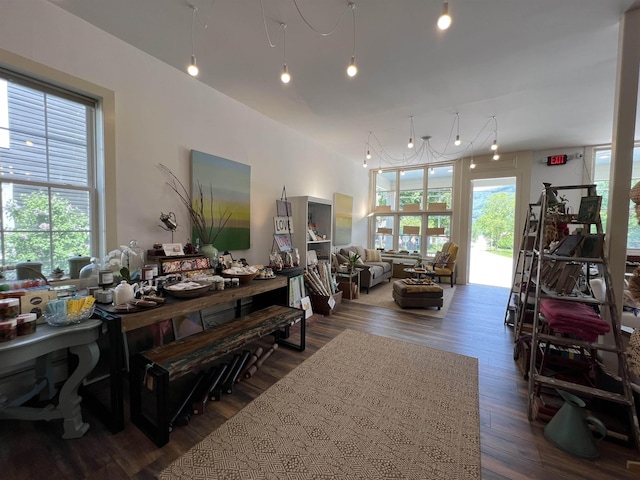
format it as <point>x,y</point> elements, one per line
<point>557,160</point>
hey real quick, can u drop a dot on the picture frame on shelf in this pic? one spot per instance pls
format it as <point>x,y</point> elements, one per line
<point>589,211</point>
<point>172,249</point>
<point>283,208</point>
<point>305,304</point>
<point>283,242</point>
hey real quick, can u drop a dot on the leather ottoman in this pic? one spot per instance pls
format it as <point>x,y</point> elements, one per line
<point>418,296</point>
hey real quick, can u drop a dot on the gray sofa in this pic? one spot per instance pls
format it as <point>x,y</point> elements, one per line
<point>373,271</point>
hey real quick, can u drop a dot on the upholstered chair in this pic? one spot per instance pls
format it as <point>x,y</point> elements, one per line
<point>444,263</point>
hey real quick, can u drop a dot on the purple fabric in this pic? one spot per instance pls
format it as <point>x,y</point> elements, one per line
<point>572,317</point>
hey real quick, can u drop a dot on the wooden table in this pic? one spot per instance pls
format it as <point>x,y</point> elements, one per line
<point>120,323</point>
<point>80,339</point>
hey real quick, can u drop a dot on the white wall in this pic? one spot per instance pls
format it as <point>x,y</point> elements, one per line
<point>574,172</point>
<point>161,113</point>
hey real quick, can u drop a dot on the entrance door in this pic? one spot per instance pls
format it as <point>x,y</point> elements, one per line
<point>492,231</point>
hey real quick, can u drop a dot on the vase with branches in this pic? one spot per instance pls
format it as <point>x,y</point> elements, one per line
<point>198,212</point>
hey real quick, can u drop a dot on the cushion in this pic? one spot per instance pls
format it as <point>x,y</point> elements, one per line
<point>342,259</point>
<point>372,255</point>
<point>441,259</point>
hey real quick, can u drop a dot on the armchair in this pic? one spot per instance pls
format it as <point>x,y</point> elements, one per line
<point>444,264</point>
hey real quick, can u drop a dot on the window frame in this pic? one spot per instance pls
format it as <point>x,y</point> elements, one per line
<point>104,214</point>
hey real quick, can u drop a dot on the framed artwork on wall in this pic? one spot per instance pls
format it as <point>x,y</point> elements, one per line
<point>343,218</point>
<point>231,185</point>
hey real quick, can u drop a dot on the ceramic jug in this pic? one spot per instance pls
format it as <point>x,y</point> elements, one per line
<point>569,428</point>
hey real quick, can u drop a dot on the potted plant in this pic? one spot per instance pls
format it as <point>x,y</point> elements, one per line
<point>57,273</point>
<point>352,261</point>
<point>205,230</point>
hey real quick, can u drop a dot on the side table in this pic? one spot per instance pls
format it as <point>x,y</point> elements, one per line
<point>80,339</point>
<point>349,283</point>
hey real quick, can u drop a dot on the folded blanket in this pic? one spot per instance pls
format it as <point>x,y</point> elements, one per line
<point>575,318</point>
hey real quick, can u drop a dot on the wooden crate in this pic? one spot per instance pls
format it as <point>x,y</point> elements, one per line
<point>320,303</point>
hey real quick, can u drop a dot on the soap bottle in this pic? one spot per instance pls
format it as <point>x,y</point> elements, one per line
<point>123,293</point>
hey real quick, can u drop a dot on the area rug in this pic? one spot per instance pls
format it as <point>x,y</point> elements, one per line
<point>382,296</point>
<point>362,407</point>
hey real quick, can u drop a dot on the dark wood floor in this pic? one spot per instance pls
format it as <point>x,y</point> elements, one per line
<point>512,447</point>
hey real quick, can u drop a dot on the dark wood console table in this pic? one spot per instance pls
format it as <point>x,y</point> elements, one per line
<point>119,323</point>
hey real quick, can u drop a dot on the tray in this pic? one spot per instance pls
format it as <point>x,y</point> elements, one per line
<point>188,292</point>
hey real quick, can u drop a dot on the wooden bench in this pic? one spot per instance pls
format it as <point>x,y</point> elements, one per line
<point>153,370</point>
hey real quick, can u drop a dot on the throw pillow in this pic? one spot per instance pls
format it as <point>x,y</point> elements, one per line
<point>342,259</point>
<point>372,255</point>
<point>441,259</point>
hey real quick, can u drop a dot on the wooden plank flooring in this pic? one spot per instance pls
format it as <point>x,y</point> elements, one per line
<point>512,447</point>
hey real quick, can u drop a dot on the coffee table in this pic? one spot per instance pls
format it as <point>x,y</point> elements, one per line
<point>419,273</point>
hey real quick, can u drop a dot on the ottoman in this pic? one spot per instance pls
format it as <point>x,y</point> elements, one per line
<point>420,296</point>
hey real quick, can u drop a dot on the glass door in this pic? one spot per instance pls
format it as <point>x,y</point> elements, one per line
<point>492,231</point>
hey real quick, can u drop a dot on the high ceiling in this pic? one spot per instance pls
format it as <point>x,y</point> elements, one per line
<point>545,69</point>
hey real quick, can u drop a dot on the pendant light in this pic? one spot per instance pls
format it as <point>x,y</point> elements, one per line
<point>457,141</point>
<point>411,134</point>
<point>192,69</point>
<point>444,21</point>
<point>285,76</point>
<point>494,145</point>
<point>352,70</point>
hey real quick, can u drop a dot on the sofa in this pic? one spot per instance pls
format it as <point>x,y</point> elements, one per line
<point>373,269</point>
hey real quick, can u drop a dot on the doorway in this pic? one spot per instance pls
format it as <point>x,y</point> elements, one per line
<point>492,241</point>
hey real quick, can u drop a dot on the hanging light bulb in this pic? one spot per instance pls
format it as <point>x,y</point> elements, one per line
<point>352,70</point>
<point>368,155</point>
<point>410,144</point>
<point>432,170</point>
<point>457,142</point>
<point>285,77</point>
<point>444,21</point>
<point>364,164</point>
<point>472,165</point>
<point>379,170</point>
<point>402,172</point>
<point>496,156</point>
<point>192,69</point>
<point>494,145</point>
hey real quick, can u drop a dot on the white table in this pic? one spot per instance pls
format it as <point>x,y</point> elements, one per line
<point>80,339</point>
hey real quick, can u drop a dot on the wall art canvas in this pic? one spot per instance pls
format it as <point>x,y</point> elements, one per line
<point>343,218</point>
<point>231,183</point>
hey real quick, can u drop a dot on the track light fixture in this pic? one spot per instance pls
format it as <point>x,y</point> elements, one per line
<point>444,21</point>
<point>192,69</point>
<point>411,133</point>
<point>352,70</point>
<point>285,76</point>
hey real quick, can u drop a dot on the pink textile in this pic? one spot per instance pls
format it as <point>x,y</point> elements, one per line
<point>572,317</point>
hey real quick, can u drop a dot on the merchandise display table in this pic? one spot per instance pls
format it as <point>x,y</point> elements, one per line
<point>80,339</point>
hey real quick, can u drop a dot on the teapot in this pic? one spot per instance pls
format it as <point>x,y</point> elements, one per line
<point>123,293</point>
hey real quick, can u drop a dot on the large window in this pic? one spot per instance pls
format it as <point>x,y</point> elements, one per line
<point>601,179</point>
<point>47,173</point>
<point>412,210</point>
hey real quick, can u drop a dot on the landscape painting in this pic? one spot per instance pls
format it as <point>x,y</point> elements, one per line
<point>231,183</point>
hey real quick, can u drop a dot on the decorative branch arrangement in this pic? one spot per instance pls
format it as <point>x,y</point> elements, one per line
<point>206,233</point>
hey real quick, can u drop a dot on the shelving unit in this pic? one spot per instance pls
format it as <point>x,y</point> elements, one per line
<point>561,281</point>
<point>312,211</point>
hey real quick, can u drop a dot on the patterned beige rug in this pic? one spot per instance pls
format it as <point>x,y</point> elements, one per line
<point>362,407</point>
<point>382,296</point>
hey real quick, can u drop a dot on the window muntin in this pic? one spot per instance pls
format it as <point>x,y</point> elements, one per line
<point>414,190</point>
<point>601,179</point>
<point>47,185</point>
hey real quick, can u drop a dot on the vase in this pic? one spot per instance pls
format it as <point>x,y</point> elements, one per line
<point>210,252</point>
